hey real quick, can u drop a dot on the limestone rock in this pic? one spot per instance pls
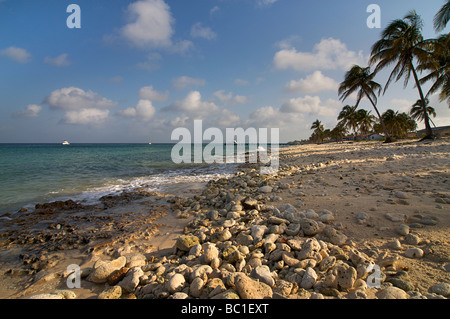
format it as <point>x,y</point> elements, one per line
<point>248,288</point>
<point>185,242</point>
<point>114,292</point>
<point>392,293</point>
<point>175,283</point>
<point>104,269</point>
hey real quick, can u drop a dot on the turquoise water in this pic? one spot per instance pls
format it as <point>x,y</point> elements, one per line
<point>39,173</point>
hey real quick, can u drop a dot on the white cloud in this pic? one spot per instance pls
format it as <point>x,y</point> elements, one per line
<point>143,111</point>
<point>214,10</point>
<point>183,82</point>
<point>149,93</point>
<point>150,24</point>
<point>59,61</point>
<point>30,111</point>
<point>193,105</point>
<point>229,98</point>
<point>311,105</point>
<point>241,82</point>
<point>86,116</point>
<point>268,116</point>
<point>313,83</point>
<point>16,54</point>
<point>73,98</point>
<point>328,54</point>
<point>265,3</point>
<point>116,79</point>
<point>199,31</point>
<point>152,62</point>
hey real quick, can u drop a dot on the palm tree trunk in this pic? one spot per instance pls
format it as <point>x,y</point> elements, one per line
<point>426,119</point>
<point>388,137</point>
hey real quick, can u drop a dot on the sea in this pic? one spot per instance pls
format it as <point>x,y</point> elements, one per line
<point>41,173</point>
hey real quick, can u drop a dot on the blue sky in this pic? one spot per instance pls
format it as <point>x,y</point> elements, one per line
<point>136,70</point>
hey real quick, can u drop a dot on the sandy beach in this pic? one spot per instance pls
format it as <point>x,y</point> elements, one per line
<point>314,230</point>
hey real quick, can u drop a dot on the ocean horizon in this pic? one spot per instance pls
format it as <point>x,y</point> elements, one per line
<point>34,173</point>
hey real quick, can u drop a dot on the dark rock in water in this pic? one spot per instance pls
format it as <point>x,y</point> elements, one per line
<point>60,205</point>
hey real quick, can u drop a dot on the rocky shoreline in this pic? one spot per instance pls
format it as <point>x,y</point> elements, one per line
<point>354,221</point>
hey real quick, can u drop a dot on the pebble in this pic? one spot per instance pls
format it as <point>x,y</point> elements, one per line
<point>175,283</point>
<point>131,280</point>
<point>262,273</point>
<point>114,292</point>
<point>441,288</point>
<point>414,253</point>
<point>103,269</point>
<point>395,244</point>
<point>402,229</point>
<point>309,227</point>
<point>186,242</point>
<point>412,239</point>
<point>392,293</point>
<point>248,288</point>
<point>265,189</point>
<point>309,278</point>
<point>395,217</point>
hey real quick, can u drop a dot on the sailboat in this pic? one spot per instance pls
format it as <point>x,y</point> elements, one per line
<point>65,143</point>
<point>149,142</point>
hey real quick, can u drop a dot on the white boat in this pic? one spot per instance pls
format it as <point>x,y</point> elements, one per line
<point>149,142</point>
<point>65,143</point>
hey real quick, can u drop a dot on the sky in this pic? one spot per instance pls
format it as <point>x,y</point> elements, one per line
<point>137,70</point>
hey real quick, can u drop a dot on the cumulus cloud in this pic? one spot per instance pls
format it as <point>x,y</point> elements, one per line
<point>268,116</point>
<point>313,83</point>
<point>311,105</point>
<point>199,31</point>
<point>214,10</point>
<point>328,54</point>
<point>86,116</point>
<point>149,93</point>
<point>143,111</point>
<point>229,98</point>
<point>150,24</point>
<point>73,98</point>
<point>16,54</point>
<point>59,61</point>
<point>30,111</point>
<point>183,82</point>
<point>265,3</point>
<point>81,107</point>
<point>193,105</point>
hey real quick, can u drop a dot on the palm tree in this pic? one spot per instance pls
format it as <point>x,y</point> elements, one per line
<point>338,132</point>
<point>416,111</point>
<point>365,121</point>
<point>397,123</point>
<point>347,118</point>
<point>317,126</point>
<point>439,67</point>
<point>400,44</point>
<point>360,80</point>
<point>442,16</point>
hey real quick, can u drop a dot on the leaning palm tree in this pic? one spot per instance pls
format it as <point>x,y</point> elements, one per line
<point>401,43</point>
<point>359,79</point>
<point>442,17</point>
<point>438,66</point>
<point>416,111</point>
